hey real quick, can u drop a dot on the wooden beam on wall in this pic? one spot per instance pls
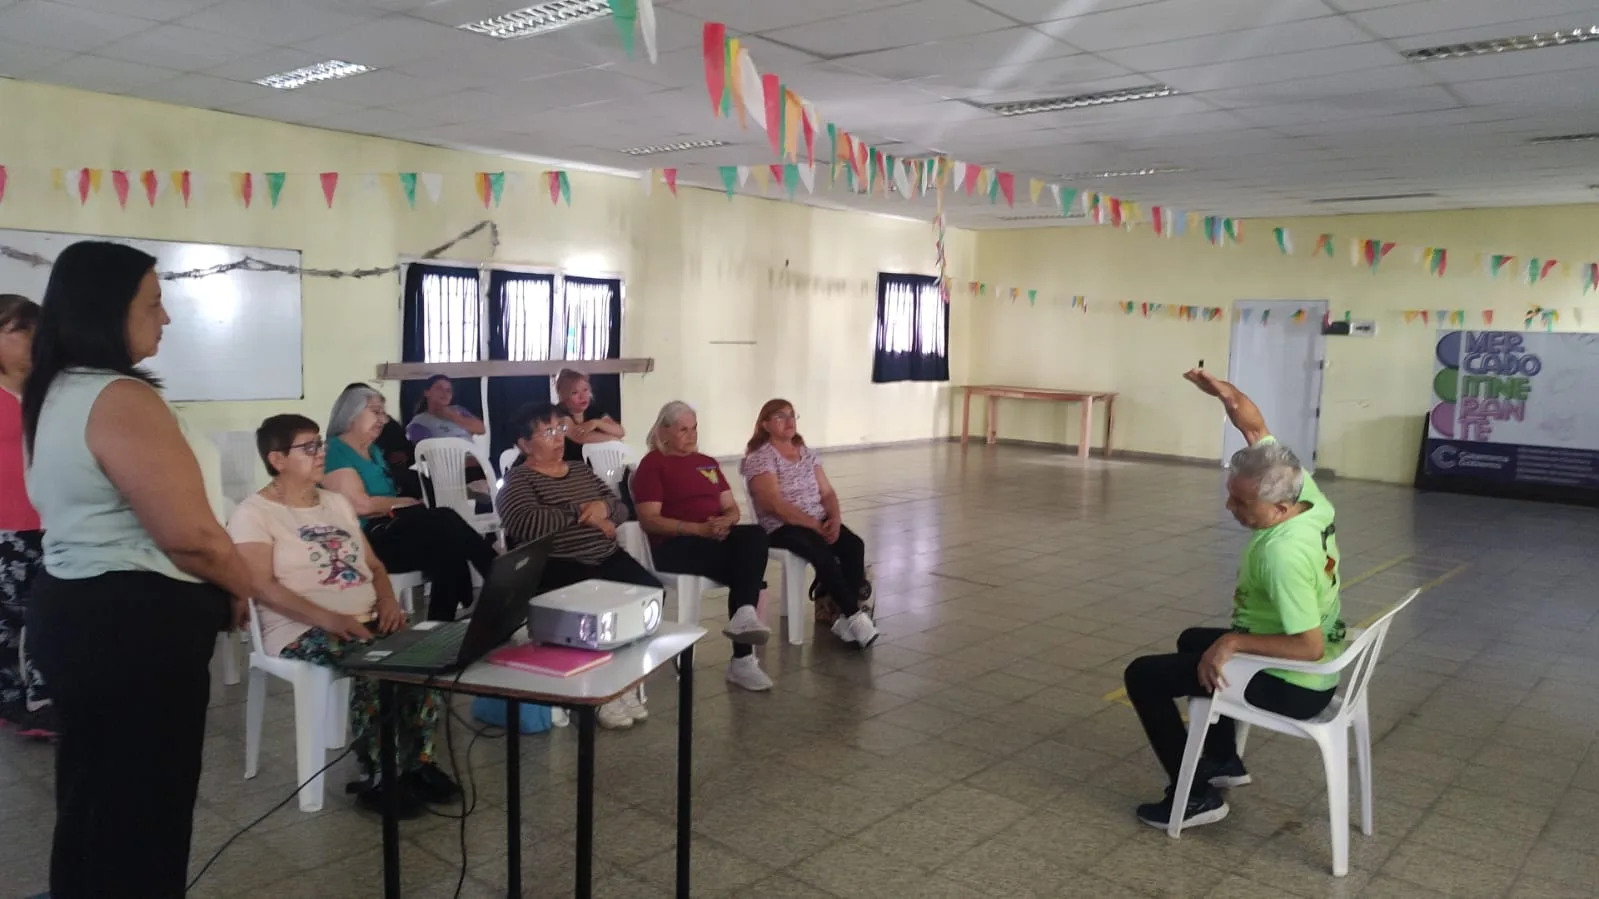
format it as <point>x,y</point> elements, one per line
<point>416,371</point>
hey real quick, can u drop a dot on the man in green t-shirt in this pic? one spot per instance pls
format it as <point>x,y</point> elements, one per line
<point>1285,606</point>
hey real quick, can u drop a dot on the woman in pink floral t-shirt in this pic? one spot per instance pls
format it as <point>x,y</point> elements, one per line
<point>799,511</point>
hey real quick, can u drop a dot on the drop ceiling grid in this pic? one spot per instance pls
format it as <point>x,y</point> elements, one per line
<point>1279,101</point>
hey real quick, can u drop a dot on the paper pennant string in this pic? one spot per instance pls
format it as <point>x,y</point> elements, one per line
<point>3,178</point>
<point>729,175</point>
<point>147,180</point>
<point>243,187</point>
<point>772,91</point>
<point>1488,317</point>
<point>274,182</point>
<point>1285,241</point>
<point>1324,246</point>
<point>120,184</point>
<point>1035,187</point>
<point>807,176</point>
<point>1590,270</point>
<point>408,188</point>
<point>749,81</point>
<point>625,12</point>
<point>183,182</point>
<point>646,25</point>
<point>670,177</point>
<point>330,184</point>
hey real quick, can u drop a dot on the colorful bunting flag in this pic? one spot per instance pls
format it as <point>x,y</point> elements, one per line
<point>1590,270</point>
<point>625,12</point>
<point>1497,262</point>
<point>243,187</point>
<point>330,183</point>
<point>729,175</point>
<point>274,182</point>
<point>183,181</point>
<point>1285,241</point>
<point>1539,269</point>
<point>2,184</point>
<point>1372,252</point>
<point>772,92</point>
<point>120,184</point>
<point>1324,246</point>
<point>1488,317</point>
<point>147,180</point>
<point>670,177</point>
<point>1437,260</point>
<point>714,46</point>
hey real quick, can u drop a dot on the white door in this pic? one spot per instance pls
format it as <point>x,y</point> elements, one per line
<point>1277,359</point>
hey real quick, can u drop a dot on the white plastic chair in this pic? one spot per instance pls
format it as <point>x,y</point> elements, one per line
<point>407,587</point>
<point>443,460</point>
<point>1330,729</point>
<point>690,588</point>
<point>793,602</point>
<point>607,459</point>
<point>321,713</point>
<point>507,459</point>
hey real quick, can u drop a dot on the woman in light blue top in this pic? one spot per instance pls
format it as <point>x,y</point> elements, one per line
<point>137,580</point>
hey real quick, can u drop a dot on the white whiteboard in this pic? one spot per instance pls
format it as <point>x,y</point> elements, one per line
<point>234,336</point>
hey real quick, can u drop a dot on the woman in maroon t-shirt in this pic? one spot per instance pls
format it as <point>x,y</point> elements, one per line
<point>686,505</point>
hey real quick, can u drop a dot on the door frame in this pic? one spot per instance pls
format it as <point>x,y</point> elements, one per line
<point>1317,308</point>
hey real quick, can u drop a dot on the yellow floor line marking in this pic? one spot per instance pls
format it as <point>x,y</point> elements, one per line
<point>1120,693</point>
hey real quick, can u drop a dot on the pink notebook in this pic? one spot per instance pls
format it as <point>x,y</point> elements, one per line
<point>555,661</point>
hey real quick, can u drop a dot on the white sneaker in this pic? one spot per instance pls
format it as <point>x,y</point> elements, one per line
<point>746,626</point>
<point>614,716</point>
<point>634,706</point>
<point>862,630</point>
<point>746,672</point>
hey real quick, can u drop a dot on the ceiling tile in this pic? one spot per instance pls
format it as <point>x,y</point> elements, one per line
<point>204,92</point>
<point>1351,85</point>
<point>455,13</point>
<point>1050,77</point>
<point>58,26</point>
<point>1034,11</point>
<point>181,48</point>
<point>18,60</point>
<point>1177,19</point>
<point>278,21</point>
<point>1010,48</point>
<point>293,106</point>
<point>391,40</point>
<point>1509,19</point>
<point>154,10</point>
<point>1293,37</point>
<point>1509,65</point>
<point>494,62</point>
<point>1392,104</point>
<point>899,26</point>
<point>380,88</point>
<point>1557,90</point>
<point>1282,67</point>
<point>272,62</point>
<point>108,76</point>
<point>596,42</point>
<point>746,17</point>
<point>375,121</point>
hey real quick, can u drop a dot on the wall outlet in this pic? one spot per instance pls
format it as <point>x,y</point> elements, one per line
<point>1363,329</point>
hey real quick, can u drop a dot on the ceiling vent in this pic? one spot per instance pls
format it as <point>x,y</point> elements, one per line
<point>1078,101</point>
<point>1373,198</point>
<point>1125,173</point>
<point>1566,138</point>
<point>1043,216</point>
<point>674,148</point>
<point>332,70</point>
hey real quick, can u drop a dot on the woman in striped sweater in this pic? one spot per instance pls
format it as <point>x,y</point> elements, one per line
<point>545,495</point>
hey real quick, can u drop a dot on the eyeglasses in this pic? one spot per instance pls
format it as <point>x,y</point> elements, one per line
<point>310,447</point>
<point>784,416</point>
<point>548,433</point>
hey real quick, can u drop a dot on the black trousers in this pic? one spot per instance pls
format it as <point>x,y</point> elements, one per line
<point>840,566</point>
<point>1154,681</point>
<point>738,561</point>
<point>440,544</point>
<point>618,566</point>
<point>127,656</point>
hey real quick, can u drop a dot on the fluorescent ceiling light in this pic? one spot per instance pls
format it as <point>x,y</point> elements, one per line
<point>1537,41</point>
<point>1565,138</point>
<point>1078,101</point>
<point>674,148</point>
<point>1374,198</point>
<point>540,18</point>
<point>331,70</point>
<point>1127,173</point>
<point>1053,216</point>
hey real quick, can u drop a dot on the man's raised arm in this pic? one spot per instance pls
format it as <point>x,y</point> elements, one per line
<point>1241,410</point>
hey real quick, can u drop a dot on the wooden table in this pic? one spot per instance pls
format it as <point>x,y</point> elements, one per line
<point>1084,398</point>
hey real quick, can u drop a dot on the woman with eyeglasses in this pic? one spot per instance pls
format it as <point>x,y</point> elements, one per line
<point>543,494</point>
<point>798,508</point>
<point>136,583</point>
<point>323,595</point>
<point>24,704</point>
<point>405,535</point>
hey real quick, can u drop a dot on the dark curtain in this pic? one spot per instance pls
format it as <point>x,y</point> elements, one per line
<point>910,348</point>
<point>414,339</point>
<point>607,388</point>
<point>507,394</point>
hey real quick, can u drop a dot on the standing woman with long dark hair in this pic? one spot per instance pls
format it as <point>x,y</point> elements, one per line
<point>24,704</point>
<point>137,581</point>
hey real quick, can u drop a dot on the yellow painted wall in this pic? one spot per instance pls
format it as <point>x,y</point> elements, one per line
<point>1375,390</point>
<point>797,281</point>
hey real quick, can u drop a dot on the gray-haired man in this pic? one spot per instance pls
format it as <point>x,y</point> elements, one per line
<point>1285,606</point>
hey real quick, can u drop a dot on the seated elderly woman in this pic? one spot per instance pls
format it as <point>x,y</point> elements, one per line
<point>686,506</point>
<point>575,393</point>
<point>543,495</point>
<point>323,594</point>
<point>797,506</point>
<point>406,536</point>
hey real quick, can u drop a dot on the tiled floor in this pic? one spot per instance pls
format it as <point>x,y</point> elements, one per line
<point>979,750</point>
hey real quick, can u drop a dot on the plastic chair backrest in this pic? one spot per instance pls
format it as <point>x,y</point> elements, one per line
<point>240,464</point>
<point>1367,649</point>
<point>607,459</point>
<point>443,460</point>
<point>257,642</point>
<point>507,459</point>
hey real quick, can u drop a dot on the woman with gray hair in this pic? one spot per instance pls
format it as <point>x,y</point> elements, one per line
<point>686,505</point>
<point>405,536</point>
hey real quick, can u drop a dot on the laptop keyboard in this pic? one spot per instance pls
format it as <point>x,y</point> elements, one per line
<point>441,647</point>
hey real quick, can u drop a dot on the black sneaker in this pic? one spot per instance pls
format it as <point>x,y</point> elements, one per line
<point>1205,806</point>
<point>372,795</point>
<point>432,785</point>
<point>1228,775</point>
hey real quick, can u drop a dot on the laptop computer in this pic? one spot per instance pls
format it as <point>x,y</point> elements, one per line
<point>444,647</point>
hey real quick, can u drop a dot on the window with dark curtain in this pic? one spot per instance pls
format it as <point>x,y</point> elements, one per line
<point>441,312</point>
<point>912,330</point>
<point>587,324</point>
<point>520,306</point>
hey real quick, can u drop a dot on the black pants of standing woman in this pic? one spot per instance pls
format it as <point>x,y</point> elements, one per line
<point>840,565</point>
<point>127,656</point>
<point>739,561</point>
<point>440,544</point>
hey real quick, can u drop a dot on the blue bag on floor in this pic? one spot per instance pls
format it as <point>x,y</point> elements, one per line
<point>535,719</point>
